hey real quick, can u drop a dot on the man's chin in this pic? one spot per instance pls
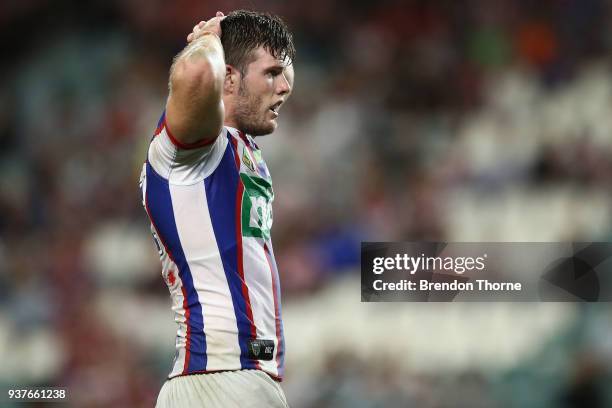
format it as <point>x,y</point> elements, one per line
<point>273,126</point>
<point>264,129</point>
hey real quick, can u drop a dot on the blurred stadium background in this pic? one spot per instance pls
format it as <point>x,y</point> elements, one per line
<point>476,120</point>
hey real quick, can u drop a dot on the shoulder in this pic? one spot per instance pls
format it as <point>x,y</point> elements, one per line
<point>184,164</point>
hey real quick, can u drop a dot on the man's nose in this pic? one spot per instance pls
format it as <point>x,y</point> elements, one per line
<point>283,86</point>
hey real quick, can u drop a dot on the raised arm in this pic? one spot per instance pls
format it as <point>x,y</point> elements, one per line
<point>194,110</point>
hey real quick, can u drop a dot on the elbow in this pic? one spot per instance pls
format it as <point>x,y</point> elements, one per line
<point>199,76</point>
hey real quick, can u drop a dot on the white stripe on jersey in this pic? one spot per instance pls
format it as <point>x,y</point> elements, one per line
<point>200,247</point>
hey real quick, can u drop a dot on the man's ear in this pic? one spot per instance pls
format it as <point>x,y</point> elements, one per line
<point>232,79</point>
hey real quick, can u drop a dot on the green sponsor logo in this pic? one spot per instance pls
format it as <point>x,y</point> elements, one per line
<point>256,206</point>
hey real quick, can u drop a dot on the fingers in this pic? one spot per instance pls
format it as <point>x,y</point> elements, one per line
<point>196,29</point>
<point>200,26</point>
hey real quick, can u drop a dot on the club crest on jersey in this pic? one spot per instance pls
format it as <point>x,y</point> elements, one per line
<point>256,348</point>
<point>247,161</point>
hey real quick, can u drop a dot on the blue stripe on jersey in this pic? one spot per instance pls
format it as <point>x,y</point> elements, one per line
<point>160,125</point>
<point>221,189</point>
<point>159,204</point>
<point>161,119</point>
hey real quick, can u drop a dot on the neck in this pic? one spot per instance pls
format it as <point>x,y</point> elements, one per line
<point>230,123</point>
<point>229,117</point>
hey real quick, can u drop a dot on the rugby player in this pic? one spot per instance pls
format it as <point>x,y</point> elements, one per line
<point>208,194</point>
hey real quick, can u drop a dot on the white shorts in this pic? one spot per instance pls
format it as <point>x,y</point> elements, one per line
<point>227,389</point>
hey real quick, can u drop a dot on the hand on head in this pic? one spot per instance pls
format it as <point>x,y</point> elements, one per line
<point>213,26</point>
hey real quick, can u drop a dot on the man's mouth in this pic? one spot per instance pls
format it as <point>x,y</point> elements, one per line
<point>275,108</point>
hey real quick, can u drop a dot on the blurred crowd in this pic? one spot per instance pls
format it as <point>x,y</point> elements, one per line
<point>413,120</point>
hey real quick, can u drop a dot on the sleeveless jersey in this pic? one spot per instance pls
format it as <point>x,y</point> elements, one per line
<point>210,206</point>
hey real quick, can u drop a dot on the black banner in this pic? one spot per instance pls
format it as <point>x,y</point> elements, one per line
<point>502,271</point>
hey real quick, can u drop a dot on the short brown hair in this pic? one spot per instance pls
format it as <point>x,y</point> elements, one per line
<point>243,31</point>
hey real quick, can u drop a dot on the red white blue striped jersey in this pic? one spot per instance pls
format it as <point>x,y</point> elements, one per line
<point>210,207</point>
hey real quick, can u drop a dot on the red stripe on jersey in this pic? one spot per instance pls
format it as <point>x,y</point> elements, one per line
<point>239,254</point>
<point>245,289</point>
<point>243,137</point>
<point>251,143</point>
<point>274,377</point>
<point>186,146</point>
<point>236,156</point>
<point>276,309</point>
<point>188,337</point>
